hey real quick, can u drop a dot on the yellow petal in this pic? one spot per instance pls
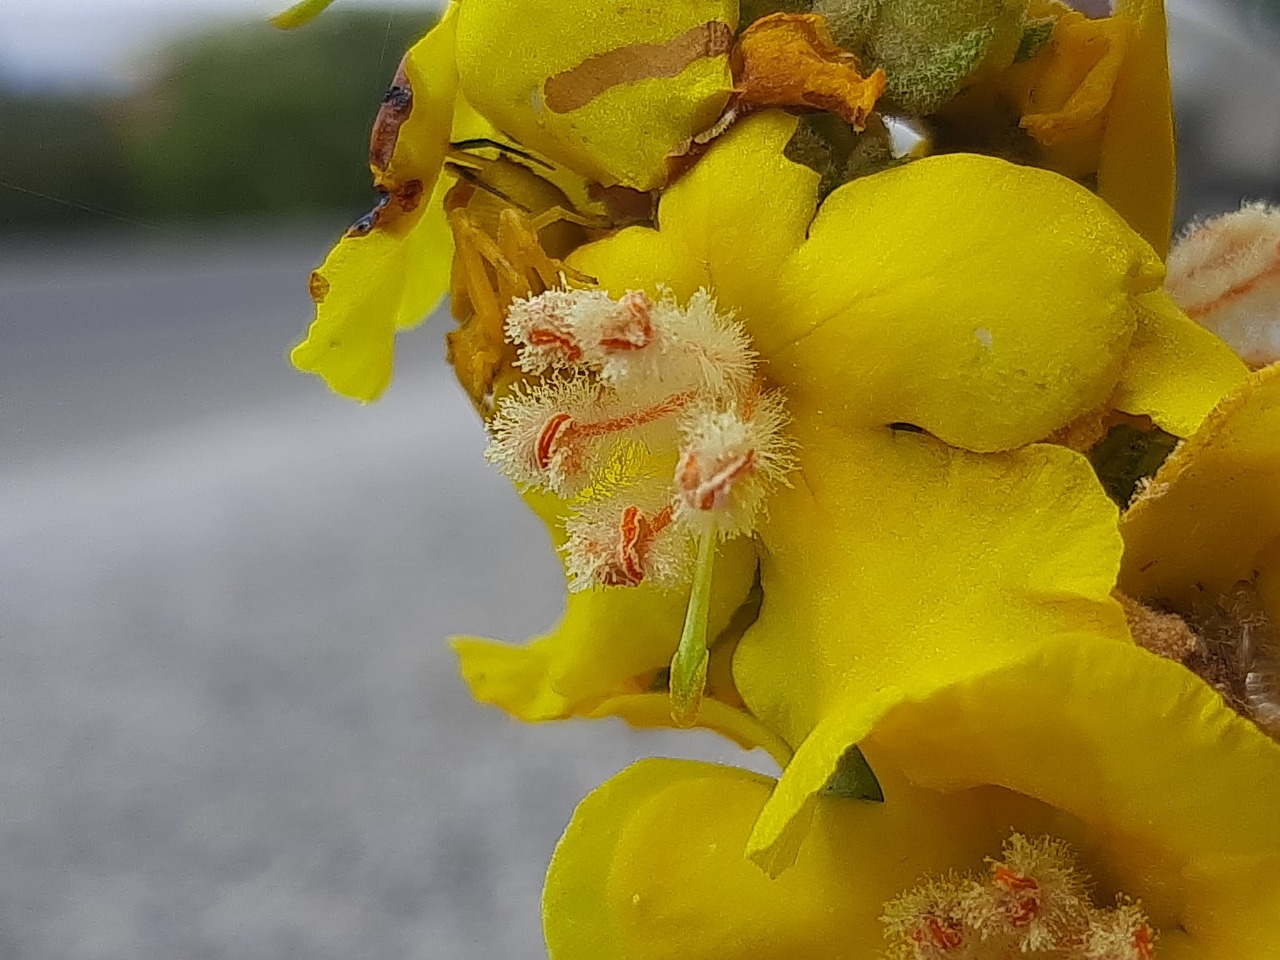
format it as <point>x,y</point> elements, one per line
<point>709,224</point>
<point>606,638</point>
<point>391,272</point>
<point>651,866</point>
<point>935,294</point>
<point>301,12</point>
<point>929,295</point>
<point>369,287</point>
<point>1180,788</point>
<point>1166,794</point>
<point>653,710</point>
<point>1214,506</point>
<point>1175,371</point>
<point>607,87</point>
<point>1136,169</point>
<point>897,566</point>
<point>651,861</point>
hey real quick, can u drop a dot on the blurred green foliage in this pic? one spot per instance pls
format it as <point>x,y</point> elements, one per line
<point>60,155</point>
<point>247,120</point>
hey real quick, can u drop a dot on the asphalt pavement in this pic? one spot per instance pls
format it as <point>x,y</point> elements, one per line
<point>229,723</point>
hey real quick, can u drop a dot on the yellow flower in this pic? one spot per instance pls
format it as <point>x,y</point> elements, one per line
<point>1166,796</point>
<point>612,91</point>
<point>928,331</point>
<point>607,90</point>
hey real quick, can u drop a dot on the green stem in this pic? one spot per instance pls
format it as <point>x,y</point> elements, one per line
<point>689,665</point>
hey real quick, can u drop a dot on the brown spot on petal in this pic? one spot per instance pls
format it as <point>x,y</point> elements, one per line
<point>408,195</point>
<point>680,160</point>
<point>373,218</point>
<point>625,205</point>
<point>391,204</point>
<point>397,104</point>
<point>790,60</point>
<point>574,88</point>
<point>317,286</point>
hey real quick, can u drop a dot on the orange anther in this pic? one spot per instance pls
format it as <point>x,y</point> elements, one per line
<point>944,933</point>
<point>631,545</point>
<point>629,421</point>
<point>628,566</point>
<point>1026,895</point>
<point>1006,878</point>
<point>551,337</point>
<point>549,438</point>
<point>707,493</point>
<point>630,325</point>
<point>1144,942</point>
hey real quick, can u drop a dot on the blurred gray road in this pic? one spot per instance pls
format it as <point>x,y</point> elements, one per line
<point>229,724</point>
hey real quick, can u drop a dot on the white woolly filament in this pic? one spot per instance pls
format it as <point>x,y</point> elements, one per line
<point>730,460</point>
<point>615,543</point>
<point>677,381</point>
<point>531,433</point>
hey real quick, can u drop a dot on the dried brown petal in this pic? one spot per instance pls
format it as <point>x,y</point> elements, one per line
<point>397,104</point>
<point>790,60</point>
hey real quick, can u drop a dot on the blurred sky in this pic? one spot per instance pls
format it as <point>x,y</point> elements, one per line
<point>95,43</point>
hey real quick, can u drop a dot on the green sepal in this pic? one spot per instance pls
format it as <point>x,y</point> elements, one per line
<point>924,84</point>
<point>854,779</point>
<point>1127,455</point>
<point>1035,34</point>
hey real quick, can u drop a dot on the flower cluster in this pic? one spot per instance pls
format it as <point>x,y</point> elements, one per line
<point>913,465</point>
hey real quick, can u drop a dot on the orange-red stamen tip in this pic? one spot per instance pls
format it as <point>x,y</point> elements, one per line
<point>549,439</point>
